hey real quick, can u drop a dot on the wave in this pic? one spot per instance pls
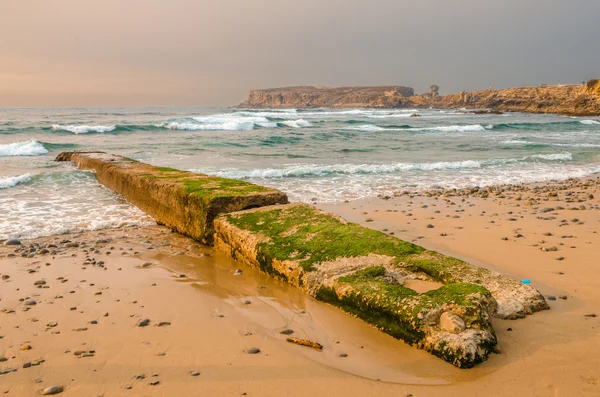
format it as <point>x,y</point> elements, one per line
<point>24,148</point>
<point>448,128</point>
<point>554,156</point>
<point>297,123</point>
<point>84,129</point>
<point>323,170</point>
<point>230,126</point>
<point>235,122</point>
<point>311,170</point>
<point>538,145</point>
<point>10,181</point>
<point>536,126</point>
<point>453,128</point>
<point>367,128</point>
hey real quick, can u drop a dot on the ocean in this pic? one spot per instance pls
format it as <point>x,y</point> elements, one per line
<point>320,155</point>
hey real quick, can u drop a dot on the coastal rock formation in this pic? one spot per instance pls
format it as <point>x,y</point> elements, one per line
<point>184,201</point>
<point>327,97</point>
<point>574,99</point>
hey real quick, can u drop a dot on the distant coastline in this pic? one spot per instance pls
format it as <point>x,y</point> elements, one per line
<point>571,99</point>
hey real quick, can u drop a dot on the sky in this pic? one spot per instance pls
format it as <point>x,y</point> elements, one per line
<point>212,52</point>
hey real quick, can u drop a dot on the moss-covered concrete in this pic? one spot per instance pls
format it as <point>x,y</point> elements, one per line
<point>360,270</point>
<point>413,317</point>
<point>306,236</point>
<point>185,201</point>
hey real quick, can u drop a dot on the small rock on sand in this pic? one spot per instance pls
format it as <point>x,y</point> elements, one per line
<point>253,350</point>
<point>52,390</point>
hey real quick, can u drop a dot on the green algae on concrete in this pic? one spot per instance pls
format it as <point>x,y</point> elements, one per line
<point>185,201</point>
<point>515,299</point>
<point>306,236</point>
<point>412,317</point>
<point>301,233</point>
<point>360,270</point>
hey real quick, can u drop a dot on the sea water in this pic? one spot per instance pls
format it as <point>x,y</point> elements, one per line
<point>320,155</point>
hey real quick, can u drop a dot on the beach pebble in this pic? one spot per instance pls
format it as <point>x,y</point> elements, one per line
<point>253,350</point>
<point>195,373</point>
<point>343,355</point>
<point>552,298</point>
<point>238,272</point>
<point>52,390</point>
<point>144,322</point>
<point>30,302</point>
<point>287,332</point>
<point>12,242</point>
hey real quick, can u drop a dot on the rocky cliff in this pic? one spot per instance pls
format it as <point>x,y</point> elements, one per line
<point>574,99</point>
<point>327,97</point>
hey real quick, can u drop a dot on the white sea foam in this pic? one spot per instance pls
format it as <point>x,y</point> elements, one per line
<point>24,148</point>
<point>239,121</point>
<point>226,126</point>
<point>63,202</point>
<point>389,115</point>
<point>84,129</point>
<point>554,156</point>
<point>453,128</point>
<point>366,128</point>
<point>515,142</point>
<point>229,118</point>
<point>10,181</point>
<point>297,123</point>
<point>311,170</point>
<point>589,122</point>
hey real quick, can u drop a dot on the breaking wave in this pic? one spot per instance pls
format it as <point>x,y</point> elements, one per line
<point>323,170</point>
<point>554,156</point>
<point>10,181</point>
<point>84,129</point>
<point>24,148</point>
<point>297,123</point>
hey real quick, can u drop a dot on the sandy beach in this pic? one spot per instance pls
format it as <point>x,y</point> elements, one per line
<point>71,316</point>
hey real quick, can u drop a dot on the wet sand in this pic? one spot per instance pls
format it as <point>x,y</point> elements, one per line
<point>205,317</point>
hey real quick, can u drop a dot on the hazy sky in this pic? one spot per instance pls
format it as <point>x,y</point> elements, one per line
<point>211,52</point>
